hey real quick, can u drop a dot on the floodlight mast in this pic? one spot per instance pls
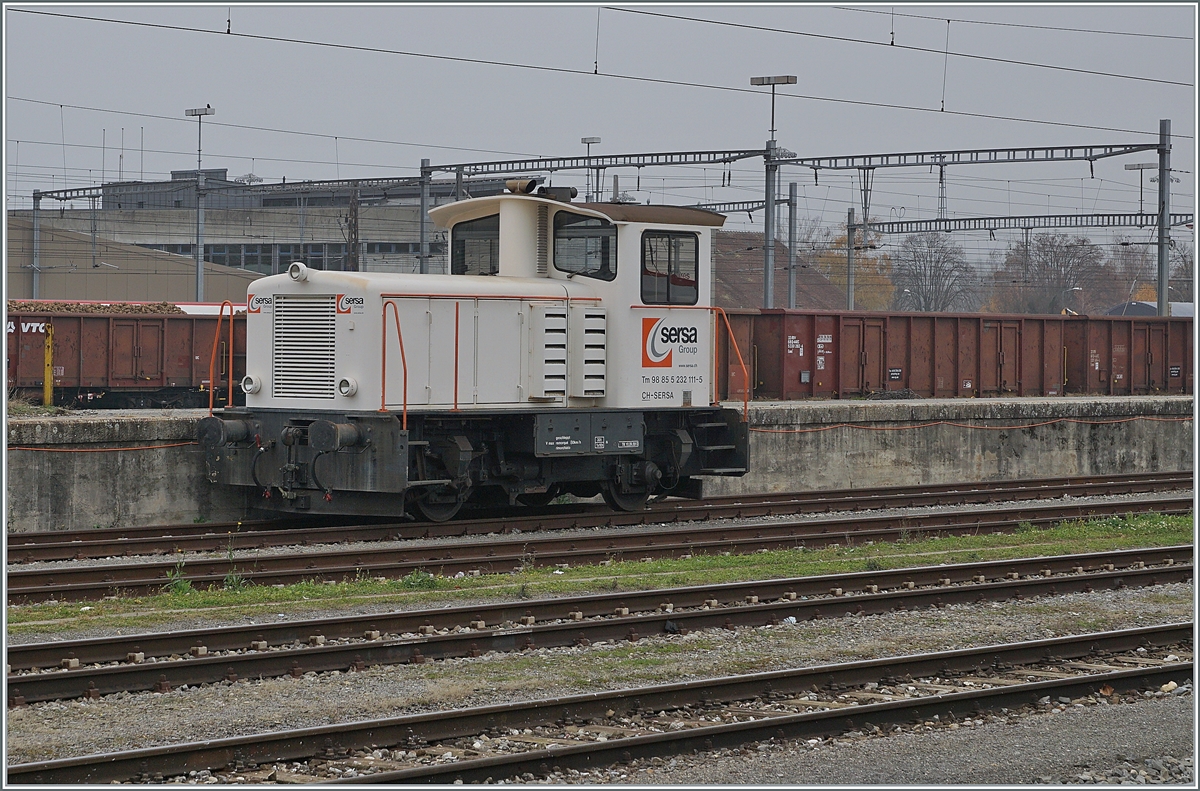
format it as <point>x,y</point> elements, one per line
<point>199,113</point>
<point>1141,167</point>
<point>589,141</point>
<point>783,79</point>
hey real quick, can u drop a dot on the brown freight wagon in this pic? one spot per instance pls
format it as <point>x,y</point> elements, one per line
<point>124,360</point>
<point>794,354</point>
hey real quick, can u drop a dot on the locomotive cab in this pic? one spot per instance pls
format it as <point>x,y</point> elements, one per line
<point>569,349</point>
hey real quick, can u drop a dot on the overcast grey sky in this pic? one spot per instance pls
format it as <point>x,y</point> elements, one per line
<point>454,111</point>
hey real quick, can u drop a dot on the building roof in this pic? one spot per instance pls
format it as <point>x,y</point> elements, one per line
<point>662,215</point>
<point>1150,309</point>
<point>738,275</point>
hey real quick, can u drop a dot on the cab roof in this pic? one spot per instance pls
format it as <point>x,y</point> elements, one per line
<point>451,213</point>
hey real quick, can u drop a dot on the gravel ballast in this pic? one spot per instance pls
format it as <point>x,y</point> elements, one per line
<point>1093,744</point>
<point>127,721</point>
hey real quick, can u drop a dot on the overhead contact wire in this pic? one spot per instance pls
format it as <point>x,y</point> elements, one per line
<point>565,70</point>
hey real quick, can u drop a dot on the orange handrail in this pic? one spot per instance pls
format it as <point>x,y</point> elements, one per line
<point>212,360</point>
<point>383,364</point>
<point>741,362</point>
<point>733,341</point>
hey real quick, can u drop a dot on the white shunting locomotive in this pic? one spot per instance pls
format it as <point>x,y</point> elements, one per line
<point>570,350</point>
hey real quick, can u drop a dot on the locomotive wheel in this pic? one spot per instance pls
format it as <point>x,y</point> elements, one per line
<point>438,511</point>
<point>622,501</point>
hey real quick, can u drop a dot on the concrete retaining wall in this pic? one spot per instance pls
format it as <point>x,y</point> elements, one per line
<point>884,443</point>
<point>51,489</point>
<point>797,446</point>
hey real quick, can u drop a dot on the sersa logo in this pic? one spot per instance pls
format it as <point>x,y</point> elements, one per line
<point>255,303</point>
<point>660,341</point>
<point>348,304</point>
<point>654,353</point>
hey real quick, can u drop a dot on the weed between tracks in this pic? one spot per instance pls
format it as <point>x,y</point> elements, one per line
<point>420,588</point>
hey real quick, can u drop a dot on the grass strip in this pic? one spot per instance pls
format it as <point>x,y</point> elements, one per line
<point>240,599</point>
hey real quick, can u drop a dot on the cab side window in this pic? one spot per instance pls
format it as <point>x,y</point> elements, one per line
<point>670,260</point>
<point>475,246</point>
<point>585,245</point>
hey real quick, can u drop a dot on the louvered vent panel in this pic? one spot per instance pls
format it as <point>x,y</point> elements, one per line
<point>304,347</point>
<point>588,351</point>
<point>548,339</point>
<point>543,239</point>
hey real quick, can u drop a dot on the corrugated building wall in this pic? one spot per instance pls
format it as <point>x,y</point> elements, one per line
<point>123,272</point>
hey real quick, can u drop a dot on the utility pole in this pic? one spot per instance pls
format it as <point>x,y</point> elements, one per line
<point>850,259</point>
<point>351,264</point>
<point>772,174</point>
<point>95,263</point>
<point>37,246</point>
<point>1025,273</point>
<point>769,228</point>
<point>424,224</point>
<point>942,191</point>
<point>1164,215</point>
<point>198,113</point>
<point>199,235</point>
<point>792,246</point>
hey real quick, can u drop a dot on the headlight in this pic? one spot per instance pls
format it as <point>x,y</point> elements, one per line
<point>347,386</point>
<point>298,272</point>
<point>251,384</point>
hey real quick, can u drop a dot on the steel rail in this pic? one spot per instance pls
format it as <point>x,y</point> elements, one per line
<point>791,602</point>
<point>432,726</point>
<point>509,554</point>
<point>108,542</point>
<point>788,726</point>
<point>231,638</point>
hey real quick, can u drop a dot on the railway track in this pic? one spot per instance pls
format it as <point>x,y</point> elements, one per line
<point>510,553</point>
<point>595,730</point>
<point>161,661</point>
<point>109,542</point>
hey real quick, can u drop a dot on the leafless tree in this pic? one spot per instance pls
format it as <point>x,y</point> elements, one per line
<point>1056,271</point>
<point>1183,273</point>
<point>1130,272</point>
<point>930,273</point>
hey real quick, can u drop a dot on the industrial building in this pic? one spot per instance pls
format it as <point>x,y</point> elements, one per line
<point>135,240</point>
<point>254,226</point>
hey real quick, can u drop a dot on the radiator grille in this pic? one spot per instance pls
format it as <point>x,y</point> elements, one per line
<point>303,346</point>
<point>548,337</point>
<point>588,351</point>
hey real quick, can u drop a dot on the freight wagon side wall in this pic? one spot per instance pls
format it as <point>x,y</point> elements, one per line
<point>796,355</point>
<point>122,352</point>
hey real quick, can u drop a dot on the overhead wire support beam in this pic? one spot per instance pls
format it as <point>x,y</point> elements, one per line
<point>981,156</point>
<point>77,193</point>
<point>738,206</point>
<point>1028,222</point>
<point>551,164</point>
<point>335,184</point>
